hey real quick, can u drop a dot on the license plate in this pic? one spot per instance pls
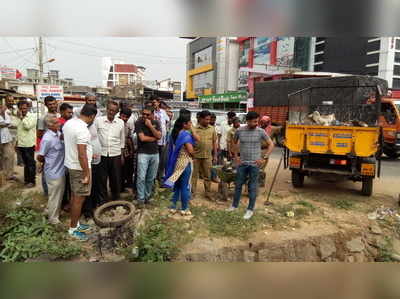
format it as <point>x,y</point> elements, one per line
<point>368,169</point>
<point>295,162</point>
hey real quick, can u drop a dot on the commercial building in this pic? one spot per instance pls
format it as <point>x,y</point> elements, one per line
<point>212,64</point>
<point>119,73</point>
<point>360,56</point>
<point>52,77</point>
<point>264,58</point>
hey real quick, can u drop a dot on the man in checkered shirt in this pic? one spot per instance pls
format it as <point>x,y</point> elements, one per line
<point>250,139</point>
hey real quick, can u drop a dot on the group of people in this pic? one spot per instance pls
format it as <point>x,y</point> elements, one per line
<point>87,158</point>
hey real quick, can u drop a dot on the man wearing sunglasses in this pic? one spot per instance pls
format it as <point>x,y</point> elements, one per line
<point>148,131</point>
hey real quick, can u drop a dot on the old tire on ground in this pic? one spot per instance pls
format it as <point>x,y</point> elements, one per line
<point>113,204</point>
<point>297,179</point>
<point>367,186</point>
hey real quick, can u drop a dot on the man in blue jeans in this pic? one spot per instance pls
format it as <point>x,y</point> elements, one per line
<point>250,139</point>
<point>148,132</point>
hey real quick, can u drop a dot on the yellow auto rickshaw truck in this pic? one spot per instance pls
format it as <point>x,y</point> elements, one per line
<point>334,130</point>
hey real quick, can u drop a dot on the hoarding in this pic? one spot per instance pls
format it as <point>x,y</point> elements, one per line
<point>8,73</point>
<point>285,51</point>
<point>177,90</point>
<point>228,97</point>
<point>123,79</point>
<point>262,50</point>
<point>56,91</point>
<point>243,78</point>
<point>244,53</point>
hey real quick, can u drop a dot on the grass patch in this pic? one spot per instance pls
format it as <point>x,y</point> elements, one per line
<point>228,224</point>
<point>26,234</point>
<point>160,240</point>
<point>301,209</point>
<point>385,252</point>
<point>342,204</point>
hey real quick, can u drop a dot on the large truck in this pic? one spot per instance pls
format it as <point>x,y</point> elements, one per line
<point>271,98</point>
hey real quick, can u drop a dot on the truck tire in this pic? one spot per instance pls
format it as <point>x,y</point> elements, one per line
<point>391,153</point>
<point>280,140</point>
<point>367,186</point>
<point>297,179</point>
<point>97,217</point>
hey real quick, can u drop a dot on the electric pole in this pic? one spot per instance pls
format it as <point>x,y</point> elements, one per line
<point>40,61</point>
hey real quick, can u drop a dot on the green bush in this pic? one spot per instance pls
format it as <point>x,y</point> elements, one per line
<point>26,235</point>
<point>160,240</point>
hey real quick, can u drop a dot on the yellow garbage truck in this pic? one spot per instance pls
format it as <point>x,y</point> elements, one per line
<point>334,130</point>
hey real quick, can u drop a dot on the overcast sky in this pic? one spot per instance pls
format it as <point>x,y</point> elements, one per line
<point>80,58</point>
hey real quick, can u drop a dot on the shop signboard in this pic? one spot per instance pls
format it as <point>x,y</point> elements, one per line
<point>229,97</point>
<point>177,90</point>
<point>56,91</point>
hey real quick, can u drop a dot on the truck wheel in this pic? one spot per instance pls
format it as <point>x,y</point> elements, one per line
<point>297,179</point>
<point>391,153</point>
<point>280,140</point>
<point>367,186</point>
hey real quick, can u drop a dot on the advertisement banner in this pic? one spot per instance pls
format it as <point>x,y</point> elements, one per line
<point>285,51</point>
<point>177,90</point>
<point>8,73</point>
<point>229,97</point>
<point>244,53</point>
<point>56,91</point>
<point>262,50</point>
<point>243,78</point>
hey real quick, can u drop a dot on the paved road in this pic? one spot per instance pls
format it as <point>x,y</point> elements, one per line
<point>388,183</point>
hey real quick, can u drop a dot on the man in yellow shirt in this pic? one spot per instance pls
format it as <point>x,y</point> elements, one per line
<point>26,140</point>
<point>205,152</point>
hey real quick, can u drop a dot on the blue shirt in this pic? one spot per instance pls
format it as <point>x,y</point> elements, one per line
<point>52,149</point>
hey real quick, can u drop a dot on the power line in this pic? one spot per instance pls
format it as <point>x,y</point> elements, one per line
<point>16,50</point>
<point>120,51</point>
<point>98,55</point>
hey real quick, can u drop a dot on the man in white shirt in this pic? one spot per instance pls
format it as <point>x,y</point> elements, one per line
<point>6,144</point>
<point>163,118</point>
<point>111,132</point>
<point>223,135</point>
<point>78,156</point>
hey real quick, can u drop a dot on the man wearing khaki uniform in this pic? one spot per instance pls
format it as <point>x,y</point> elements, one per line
<point>203,155</point>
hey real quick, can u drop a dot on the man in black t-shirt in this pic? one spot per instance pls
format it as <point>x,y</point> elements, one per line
<point>148,133</point>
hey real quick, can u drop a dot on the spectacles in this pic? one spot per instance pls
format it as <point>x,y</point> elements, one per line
<point>146,114</point>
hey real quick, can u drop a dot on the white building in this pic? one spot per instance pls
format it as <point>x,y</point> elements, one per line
<point>116,72</point>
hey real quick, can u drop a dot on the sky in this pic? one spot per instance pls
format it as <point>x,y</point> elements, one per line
<point>80,58</point>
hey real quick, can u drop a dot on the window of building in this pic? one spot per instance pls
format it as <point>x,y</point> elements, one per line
<point>397,44</point>
<point>372,71</point>
<point>396,83</point>
<point>320,39</point>
<point>318,68</point>
<point>319,57</point>
<point>374,46</point>
<point>397,57</point>
<point>319,48</point>
<point>110,77</point>
<point>203,57</point>
<point>373,58</point>
<point>396,70</point>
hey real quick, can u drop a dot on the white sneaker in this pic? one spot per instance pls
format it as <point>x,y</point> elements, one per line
<point>231,209</point>
<point>248,215</point>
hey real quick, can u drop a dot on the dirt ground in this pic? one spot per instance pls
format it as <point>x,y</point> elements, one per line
<point>331,206</point>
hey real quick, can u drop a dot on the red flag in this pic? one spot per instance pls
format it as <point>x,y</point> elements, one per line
<point>18,74</point>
